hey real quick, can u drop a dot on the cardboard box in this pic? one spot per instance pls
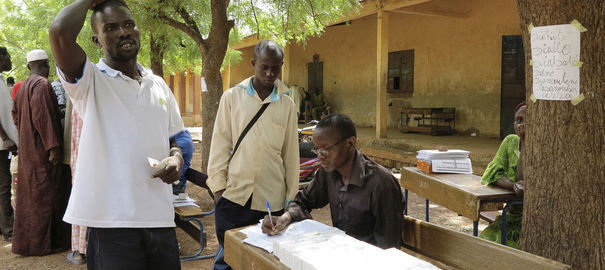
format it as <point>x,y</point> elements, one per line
<point>424,166</point>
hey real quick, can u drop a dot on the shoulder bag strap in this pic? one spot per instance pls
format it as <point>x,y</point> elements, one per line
<point>247,128</point>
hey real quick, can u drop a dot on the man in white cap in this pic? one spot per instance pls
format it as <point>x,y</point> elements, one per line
<point>42,192</point>
<point>8,134</point>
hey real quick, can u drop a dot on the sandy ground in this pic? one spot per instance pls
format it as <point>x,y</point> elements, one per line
<point>438,215</point>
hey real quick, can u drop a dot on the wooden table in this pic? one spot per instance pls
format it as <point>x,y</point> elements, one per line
<point>444,248</point>
<point>435,121</point>
<point>247,257</point>
<point>461,193</point>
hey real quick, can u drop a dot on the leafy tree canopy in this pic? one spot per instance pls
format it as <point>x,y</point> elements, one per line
<point>25,27</point>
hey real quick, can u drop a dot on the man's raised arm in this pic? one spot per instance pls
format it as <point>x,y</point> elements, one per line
<point>63,32</point>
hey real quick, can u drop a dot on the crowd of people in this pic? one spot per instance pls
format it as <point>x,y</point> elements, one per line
<point>108,118</point>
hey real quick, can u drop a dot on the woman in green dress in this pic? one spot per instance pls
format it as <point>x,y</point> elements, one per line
<point>505,171</point>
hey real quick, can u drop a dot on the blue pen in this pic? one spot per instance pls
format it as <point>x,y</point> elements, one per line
<point>269,208</point>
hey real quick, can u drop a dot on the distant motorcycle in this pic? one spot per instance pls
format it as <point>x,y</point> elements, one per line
<point>309,162</point>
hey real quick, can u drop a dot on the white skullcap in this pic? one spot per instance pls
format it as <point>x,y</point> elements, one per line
<point>35,55</point>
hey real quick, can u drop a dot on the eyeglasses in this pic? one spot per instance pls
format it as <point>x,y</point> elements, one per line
<point>325,152</point>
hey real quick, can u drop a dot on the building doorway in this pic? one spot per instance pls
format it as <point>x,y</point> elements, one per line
<point>316,74</point>
<point>513,81</point>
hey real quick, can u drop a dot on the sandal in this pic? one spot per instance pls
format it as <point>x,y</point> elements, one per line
<point>78,258</point>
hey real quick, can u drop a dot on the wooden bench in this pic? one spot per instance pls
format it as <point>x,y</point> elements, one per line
<point>489,216</point>
<point>188,218</point>
<point>462,251</point>
<point>434,121</point>
<point>445,248</point>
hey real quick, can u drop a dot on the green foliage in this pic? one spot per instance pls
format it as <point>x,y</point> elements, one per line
<point>284,21</point>
<point>288,21</point>
<point>24,27</point>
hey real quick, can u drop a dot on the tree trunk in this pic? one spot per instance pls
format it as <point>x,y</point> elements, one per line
<point>564,157</point>
<point>213,53</point>
<point>157,54</point>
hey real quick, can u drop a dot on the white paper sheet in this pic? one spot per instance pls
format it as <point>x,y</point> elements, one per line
<point>555,50</point>
<point>257,238</point>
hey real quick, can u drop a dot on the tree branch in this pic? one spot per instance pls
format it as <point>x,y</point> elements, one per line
<point>314,15</point>
<point>256,19</point>
<point>187,18</point>
<point>196,36</point>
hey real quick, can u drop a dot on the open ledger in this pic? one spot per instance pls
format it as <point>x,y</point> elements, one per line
<point>310,245</point>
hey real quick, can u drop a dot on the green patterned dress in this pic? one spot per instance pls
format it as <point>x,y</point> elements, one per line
<point>504,164</point>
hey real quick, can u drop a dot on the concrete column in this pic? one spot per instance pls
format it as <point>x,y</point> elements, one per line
<point>189,92</point>
<point>227,77</point>
<point>382,65</point>
<point>197,100</point>
<point>285,71</point>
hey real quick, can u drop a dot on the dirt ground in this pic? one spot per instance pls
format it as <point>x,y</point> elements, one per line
<point>416,208</point>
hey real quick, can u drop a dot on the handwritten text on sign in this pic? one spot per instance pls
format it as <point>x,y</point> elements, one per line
<point>555,50</point>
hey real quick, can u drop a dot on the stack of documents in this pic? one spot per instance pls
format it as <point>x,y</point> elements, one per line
<point>310,245</point>
<point>183,199</point>
<point>451,161</point>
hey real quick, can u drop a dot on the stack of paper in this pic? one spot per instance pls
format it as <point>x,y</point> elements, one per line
<point>310,245</point>
<point>451,161</point>
<point>183,199</point>
<point>326,250</point>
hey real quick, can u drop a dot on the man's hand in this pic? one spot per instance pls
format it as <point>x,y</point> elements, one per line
<point>519,188</point>
<point>55,156</point>
<point>218,195</point>
<point>172,171</point>
<point>9,145</point>
<point>279,224</point>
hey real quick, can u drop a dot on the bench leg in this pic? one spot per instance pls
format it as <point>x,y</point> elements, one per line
<point>197,255</point>
<point>405,205</point>
<point>427,210</point>
<point>475,228</point>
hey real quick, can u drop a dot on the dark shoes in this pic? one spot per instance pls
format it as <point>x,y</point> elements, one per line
<point>76,257</point>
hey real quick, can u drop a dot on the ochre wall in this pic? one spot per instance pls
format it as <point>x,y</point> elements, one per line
<point>457,63</point>
<point>243,69</point>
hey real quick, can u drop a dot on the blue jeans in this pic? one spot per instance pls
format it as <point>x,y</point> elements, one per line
<point>132,249</point>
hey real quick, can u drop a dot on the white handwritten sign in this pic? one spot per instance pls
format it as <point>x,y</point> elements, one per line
<point>555,51</point>
<point>204,86</point>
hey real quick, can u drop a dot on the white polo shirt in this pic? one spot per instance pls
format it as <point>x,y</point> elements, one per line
<point>124,122</point>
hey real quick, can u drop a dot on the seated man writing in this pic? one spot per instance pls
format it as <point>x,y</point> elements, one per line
<point>365,198</point>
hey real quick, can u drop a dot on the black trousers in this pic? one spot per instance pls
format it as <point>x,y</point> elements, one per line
<point>229,215</point>
<point>132,249</point>
<point>6,210</point>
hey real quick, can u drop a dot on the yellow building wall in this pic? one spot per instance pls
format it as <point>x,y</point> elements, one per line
<point>457,64</point>
<point>243,69</point>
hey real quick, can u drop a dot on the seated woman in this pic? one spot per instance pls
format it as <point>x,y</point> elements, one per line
<point>505,171</point>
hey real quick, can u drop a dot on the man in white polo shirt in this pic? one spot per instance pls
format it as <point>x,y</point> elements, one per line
<point>8,134</point>
<point>128,114</point>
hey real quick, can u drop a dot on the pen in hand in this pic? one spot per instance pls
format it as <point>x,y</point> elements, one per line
<point>269,209</point>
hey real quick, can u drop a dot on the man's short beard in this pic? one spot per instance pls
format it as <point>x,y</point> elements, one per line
<point>124,58</point>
